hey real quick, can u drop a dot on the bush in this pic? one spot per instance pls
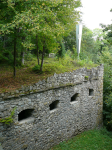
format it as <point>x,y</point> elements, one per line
<point>66,61</point>
<point>36,68</point>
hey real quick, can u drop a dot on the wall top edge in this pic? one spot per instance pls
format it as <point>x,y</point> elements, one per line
<point>57,81</point>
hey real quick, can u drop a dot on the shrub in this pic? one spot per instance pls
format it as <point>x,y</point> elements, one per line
<point>36,68</point>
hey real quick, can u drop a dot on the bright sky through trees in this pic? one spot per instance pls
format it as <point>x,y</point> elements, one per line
<point>96,12</point>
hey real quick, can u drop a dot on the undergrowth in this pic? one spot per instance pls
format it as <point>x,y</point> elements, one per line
<point>29,73</point>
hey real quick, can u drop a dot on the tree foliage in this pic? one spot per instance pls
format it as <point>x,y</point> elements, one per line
<point>106,58</point>
<point>87,44</point>
<point>47,21</point>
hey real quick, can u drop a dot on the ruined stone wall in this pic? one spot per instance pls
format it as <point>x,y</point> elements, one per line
<point>52,110</point>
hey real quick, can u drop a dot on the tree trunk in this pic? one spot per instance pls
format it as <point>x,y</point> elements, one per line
<point>42,58</point>
<point>22,52</point>
<point>4,42</point>
<point>15,52</point>
<point>22,57</point>
<point>37,49</point>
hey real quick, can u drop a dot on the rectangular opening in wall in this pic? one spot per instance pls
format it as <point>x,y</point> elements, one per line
<point>91,92</point>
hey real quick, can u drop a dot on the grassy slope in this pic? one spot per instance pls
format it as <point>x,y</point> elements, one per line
<point>89,140</point>
<point>25,75</point>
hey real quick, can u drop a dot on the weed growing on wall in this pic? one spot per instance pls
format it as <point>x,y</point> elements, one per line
<point>86,77</point>
<point>9,119</point>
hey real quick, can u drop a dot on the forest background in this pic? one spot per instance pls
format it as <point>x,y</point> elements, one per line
<point>31,29</point>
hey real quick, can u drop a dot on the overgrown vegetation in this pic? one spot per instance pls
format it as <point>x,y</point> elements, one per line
<point>29,73</point>
<point>89,140</point>
<point>107,89</point>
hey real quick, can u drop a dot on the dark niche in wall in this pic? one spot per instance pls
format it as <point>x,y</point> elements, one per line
<point>91,92</point>
<point>74,97</point>
<point>25,114</point>
<point>54,105</point>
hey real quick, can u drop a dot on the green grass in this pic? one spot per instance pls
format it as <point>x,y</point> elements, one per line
<point>89,140</point>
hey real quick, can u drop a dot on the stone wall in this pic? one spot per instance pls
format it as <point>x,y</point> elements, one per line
<point>52,110</point>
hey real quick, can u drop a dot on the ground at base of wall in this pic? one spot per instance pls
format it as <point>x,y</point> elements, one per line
<point>89,140</point>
